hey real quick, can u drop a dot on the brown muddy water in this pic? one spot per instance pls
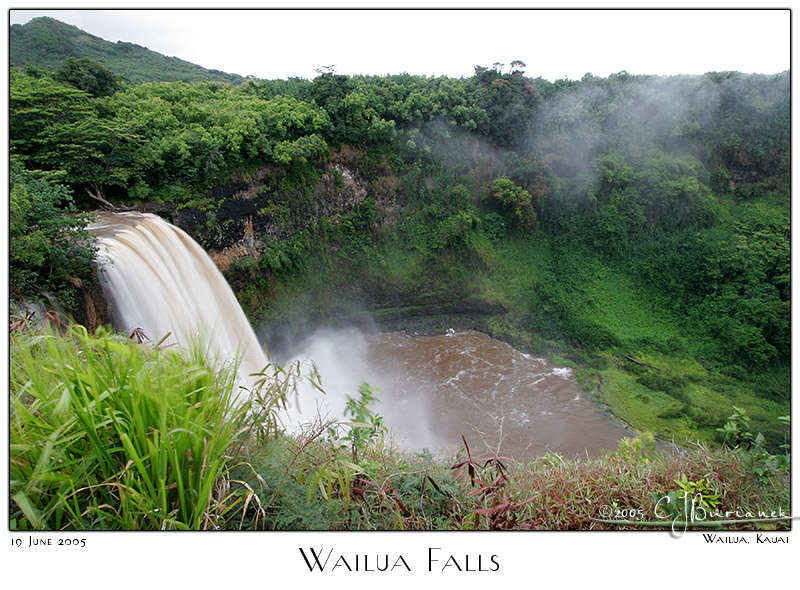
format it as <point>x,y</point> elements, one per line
<point>435,389</point>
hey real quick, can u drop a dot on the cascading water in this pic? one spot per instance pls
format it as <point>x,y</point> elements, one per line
<point>160,281</point>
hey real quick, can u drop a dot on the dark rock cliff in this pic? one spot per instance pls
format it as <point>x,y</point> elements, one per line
<point>91,308</point>
<point>239,218</point>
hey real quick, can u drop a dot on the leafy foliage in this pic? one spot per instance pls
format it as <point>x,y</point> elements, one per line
<point>509,100</point>
<point>755,455</point>
<point>515,202</point>
<point>87,75</point>
<point>49,248</point>
<point>367,425</point>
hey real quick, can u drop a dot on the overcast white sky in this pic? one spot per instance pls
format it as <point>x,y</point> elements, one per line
<point>553,43</point>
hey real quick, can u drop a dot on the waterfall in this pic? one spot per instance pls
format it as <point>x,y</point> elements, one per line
<point>162,283</point>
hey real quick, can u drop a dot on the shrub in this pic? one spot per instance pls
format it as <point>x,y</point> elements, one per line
<point>49,247</point>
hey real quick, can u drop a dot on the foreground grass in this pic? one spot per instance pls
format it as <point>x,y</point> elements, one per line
<point>108,434</point>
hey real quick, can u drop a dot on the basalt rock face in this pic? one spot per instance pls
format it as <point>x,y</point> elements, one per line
<point>242,217</point>
<point>91,307</point>
<point>87,306</point>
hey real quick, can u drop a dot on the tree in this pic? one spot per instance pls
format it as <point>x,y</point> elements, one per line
<point>35,104</point>
<point>514,202</point>
<point>510,100</point>
<point>516,66</point>
<point>62,130</point>
<point>675,193</point>
<point>530,173</point>
<point>94,152</point>
<point>87,75</point>
<point>328,91</point>
<point>616,212</point>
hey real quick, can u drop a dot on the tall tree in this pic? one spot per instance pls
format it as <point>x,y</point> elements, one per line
<point>87,75</point>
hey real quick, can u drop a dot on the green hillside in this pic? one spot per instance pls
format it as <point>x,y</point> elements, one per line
<point>46,43</point>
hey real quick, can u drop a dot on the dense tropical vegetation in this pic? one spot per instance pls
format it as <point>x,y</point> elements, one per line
<point>636,226</point>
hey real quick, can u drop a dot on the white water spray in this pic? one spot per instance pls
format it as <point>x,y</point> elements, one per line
<point>160,281</point>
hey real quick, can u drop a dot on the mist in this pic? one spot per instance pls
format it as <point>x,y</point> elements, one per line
<point>634,114</point>
<point>345,359</point>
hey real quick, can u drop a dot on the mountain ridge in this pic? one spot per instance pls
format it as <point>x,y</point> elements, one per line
<point>46,42</point>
